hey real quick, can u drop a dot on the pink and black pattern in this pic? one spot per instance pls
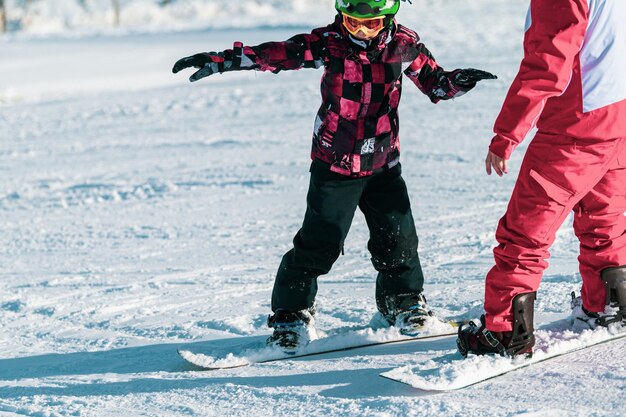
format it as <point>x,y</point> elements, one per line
<point>356,129</point>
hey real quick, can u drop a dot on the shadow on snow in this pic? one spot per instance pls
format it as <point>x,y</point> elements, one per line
<point>173,373</point>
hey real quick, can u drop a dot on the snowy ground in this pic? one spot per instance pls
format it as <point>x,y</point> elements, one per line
<point>140,214</point>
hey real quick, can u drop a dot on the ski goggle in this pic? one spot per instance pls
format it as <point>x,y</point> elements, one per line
<point>369,27</point>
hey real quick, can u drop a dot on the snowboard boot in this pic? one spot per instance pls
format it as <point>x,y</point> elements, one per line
<point>407,312</point>
<point>615,305</point>
<point>292,330</point>
<point>477,339</point>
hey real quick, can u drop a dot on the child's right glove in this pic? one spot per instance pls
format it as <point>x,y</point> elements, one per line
<point>468,77</point>
<point>208,62</point>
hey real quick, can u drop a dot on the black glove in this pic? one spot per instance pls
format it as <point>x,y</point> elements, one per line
<point>468,77</point>
<point>208,62</point>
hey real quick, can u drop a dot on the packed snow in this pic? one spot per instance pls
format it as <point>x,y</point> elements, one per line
<point>142,214</point>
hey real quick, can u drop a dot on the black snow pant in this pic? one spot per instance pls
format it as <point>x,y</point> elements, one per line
<point>331,203</point>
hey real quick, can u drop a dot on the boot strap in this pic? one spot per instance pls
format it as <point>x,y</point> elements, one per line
<point>494,342</point>
<point>605,321</point>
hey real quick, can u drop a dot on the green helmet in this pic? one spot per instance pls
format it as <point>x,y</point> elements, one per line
<point>364,9</point>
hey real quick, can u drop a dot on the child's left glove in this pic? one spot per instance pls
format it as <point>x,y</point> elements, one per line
<point>208,62</point>
<point>468,77</point>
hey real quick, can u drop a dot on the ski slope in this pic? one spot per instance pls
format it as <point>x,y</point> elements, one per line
<point>141,214</point>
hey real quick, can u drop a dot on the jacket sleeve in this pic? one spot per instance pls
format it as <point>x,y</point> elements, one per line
<point>551,43</point>
<point>432,79</point>
<point>300,51</point>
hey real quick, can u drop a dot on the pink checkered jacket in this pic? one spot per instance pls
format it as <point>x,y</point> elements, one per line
<point>356,129</point>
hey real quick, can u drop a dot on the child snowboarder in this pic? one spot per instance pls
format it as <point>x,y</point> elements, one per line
<point>355,156</point>
<point>571,84</point>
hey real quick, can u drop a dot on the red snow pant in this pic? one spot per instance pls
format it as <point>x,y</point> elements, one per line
<point>560,174</point>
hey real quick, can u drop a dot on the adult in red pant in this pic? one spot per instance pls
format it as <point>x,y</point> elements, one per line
<point>572,86</point>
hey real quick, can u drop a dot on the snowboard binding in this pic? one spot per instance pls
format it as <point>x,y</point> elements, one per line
<point>477,339</point>
<point>615,285</point>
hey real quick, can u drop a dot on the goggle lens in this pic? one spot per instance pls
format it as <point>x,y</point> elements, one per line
<point>369,27</point>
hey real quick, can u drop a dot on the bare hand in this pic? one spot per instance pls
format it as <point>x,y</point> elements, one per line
<point>497,163</point>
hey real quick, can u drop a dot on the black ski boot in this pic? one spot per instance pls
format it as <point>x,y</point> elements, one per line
<point>407,312</point>
<point>291,329</point>
<point>480,341</point>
